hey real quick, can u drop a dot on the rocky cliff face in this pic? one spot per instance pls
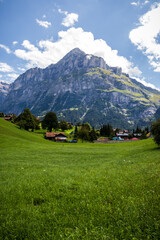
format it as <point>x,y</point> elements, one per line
<point>4,87</point>
<point>82,87</point>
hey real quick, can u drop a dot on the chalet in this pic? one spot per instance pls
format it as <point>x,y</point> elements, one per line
<point>57,137</point>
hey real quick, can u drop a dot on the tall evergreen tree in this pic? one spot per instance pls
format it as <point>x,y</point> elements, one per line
<point>76,132</point>
<point>106,130</point>
<point>92,135</point>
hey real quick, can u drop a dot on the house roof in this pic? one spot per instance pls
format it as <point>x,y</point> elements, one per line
<point>7,118</point>
<point>53,134</point>
<point>122,134</point>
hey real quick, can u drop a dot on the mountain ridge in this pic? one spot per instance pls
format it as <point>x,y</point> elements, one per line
<point>82,87</point>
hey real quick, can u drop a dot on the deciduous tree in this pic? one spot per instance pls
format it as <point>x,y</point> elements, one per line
<point>50,121</point>
<point>27,120</point>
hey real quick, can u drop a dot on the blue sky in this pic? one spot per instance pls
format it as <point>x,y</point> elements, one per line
<point>36,33</point>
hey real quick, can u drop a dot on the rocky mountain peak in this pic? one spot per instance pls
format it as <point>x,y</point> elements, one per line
<point>76,51</point>
<point>82,87</point>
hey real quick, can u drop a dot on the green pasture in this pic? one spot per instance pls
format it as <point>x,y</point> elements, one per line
<point>77,191</point>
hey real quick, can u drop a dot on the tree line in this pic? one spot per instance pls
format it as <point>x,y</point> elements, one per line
<point>84,131</point>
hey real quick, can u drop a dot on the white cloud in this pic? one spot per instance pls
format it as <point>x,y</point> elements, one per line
<point>22,69</point>
<point>146,83</point>
<point>45,24</point>
<point>139,3</point>
<point>12,76</point>
<point>63,12</point>
<point>4,67</point>
<point>44,16</point>
<point>5,48</point>
<point>70,18</point>
<point>48,52</point>
<point>135,3</point>
<point>14,42</point>
<point>146,2</point>
<point>144,36</point>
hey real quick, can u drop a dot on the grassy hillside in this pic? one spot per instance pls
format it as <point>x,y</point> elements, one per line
<point>77,191</point>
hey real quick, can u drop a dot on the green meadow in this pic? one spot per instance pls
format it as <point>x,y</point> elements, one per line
<point>77,191</point>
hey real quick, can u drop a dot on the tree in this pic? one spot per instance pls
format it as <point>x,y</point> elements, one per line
<point>27,120</point>
<point>106,130</point>
<point>92,135</point>
<point>86,126</point>
<point>83,134</point>
<point>63,125</point>
<point>1,114</point>
<point>155,130</point>
<point>138,130</point>
<point>50,121</point>
<point>76,132</point>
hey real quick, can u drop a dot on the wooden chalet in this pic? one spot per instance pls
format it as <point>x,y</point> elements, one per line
<point>57,137</point>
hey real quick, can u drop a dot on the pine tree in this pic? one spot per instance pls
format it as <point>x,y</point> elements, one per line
<point>92,135</point>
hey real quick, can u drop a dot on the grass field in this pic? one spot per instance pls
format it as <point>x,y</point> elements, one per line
<point>77,191</point>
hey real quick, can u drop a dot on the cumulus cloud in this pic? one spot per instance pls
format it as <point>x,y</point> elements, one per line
<point>22,69</point>
<point>70,18</point>
<point>45,24</point>
<point>4,67</point>
<point>14,42</point>
<point>5,48</point>
<point>146,34</point>
<point>12,76</point>
<point>48,52</point>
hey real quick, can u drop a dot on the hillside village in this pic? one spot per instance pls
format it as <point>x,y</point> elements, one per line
<point>67,132</point>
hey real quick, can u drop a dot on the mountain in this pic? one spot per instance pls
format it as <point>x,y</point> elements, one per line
<point>4,87</point>
<point>157,114</point>
<point>82,87</point>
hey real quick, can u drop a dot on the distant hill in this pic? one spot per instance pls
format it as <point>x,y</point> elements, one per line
<point>82,87</point>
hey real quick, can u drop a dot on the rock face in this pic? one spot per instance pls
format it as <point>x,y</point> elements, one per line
<point>4,87</point>
<point>82,87</point>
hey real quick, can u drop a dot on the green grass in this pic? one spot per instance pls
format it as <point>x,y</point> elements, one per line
<point>77,191</point>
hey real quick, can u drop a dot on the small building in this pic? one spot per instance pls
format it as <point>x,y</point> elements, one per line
<point>8,118</point>
<point>123,135</point>
<point>57,137</point>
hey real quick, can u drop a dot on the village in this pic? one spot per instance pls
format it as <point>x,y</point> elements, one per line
<point>63,131</point>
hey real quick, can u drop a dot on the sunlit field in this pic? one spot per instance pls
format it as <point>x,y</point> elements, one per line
<point>77,191</point>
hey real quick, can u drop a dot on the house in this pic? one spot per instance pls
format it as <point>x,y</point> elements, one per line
<point>123,135</point>
<point>9,117</point>
<point>57,137</point>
